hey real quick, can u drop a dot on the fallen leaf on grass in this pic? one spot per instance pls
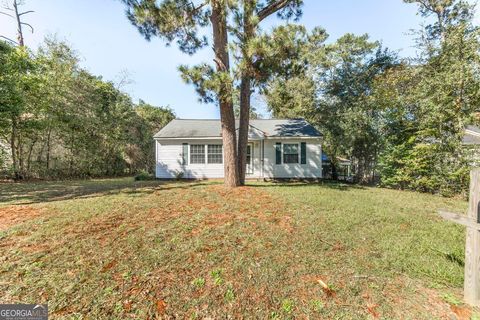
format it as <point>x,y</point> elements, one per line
<point>109,266</point>
<point>127,305</point>
<point>371,308</point>
<point>161,306</point>
<point>462,312</point>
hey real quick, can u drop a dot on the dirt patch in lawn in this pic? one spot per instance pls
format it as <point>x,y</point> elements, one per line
<point>244,204</point>
<point>12,215</point>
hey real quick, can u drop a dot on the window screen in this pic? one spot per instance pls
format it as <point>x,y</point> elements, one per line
<point>290,153</point>
<point>197,153</point>
<point>215,154</point>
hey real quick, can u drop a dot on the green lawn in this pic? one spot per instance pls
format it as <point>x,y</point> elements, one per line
<point>121,249</point>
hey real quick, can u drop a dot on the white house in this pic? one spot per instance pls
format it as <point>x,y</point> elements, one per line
<point>277,148</point>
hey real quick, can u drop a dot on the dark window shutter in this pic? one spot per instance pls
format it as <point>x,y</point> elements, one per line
<point>278,153</point>
<point>185,154</point>
<point>303,153</point>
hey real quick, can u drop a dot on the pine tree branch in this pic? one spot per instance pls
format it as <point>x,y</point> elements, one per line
<point>272,8</point>
<point>194,9</point>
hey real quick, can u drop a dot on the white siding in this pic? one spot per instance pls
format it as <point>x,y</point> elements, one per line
<point>313,168</point>
<point>169,160</point>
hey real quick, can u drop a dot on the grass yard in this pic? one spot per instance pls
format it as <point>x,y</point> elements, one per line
<point>115,249</point>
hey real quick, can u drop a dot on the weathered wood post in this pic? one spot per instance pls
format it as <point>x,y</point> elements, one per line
<point>472,244</point>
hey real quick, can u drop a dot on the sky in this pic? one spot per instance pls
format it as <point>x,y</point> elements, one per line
<point>110,46</point>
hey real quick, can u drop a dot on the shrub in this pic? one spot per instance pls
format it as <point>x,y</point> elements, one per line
<point>144,176</point>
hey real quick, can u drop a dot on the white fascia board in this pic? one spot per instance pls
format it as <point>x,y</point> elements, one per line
<point>187,138</point>
<point>293,138</point>
<point>250,138</point>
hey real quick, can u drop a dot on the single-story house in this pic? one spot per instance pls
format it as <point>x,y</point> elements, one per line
<point>277,148</point>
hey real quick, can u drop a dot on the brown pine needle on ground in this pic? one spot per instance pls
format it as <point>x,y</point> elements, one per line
<point>115,249</point>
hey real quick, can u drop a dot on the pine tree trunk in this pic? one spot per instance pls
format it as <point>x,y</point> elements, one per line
<point>243,128</point>
<point>245,92</point>
<point>220,47</point>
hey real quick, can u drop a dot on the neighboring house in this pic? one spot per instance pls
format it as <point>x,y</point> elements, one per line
<point>343,168</point>
<point>471,145</point>
<point>192,149</point>
<point>472,136</point>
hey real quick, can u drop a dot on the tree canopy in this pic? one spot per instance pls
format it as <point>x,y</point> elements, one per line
<point>57,120</point>
<point>401,121</point>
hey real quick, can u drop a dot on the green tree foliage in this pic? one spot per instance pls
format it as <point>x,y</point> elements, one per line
<point>20,85</point>
<point>58,120</point>
<point>442,96</point>
<point>150,119</point>
<point>401,121</point>
<point>351,120</point>
<point>330,85</point>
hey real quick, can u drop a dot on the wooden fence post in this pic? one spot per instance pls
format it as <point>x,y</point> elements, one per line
<point>472,243</point>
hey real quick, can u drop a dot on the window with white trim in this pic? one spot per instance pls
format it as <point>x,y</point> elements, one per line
<point>215,153</point>
<point>197,153</point>
<point>290,153</point>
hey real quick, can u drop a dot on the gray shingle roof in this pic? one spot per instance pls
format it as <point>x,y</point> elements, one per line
<point>473,128</point>
<point>471,139</point>
<point>183,128</point>
<point>472,135</point>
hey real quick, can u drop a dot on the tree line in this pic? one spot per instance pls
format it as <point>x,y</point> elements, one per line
<point>57,120</point>
<point>400,120</point>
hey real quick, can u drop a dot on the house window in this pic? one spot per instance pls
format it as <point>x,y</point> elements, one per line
<point>215,154</point>
<point>290,153</point>
<point>197,153</point>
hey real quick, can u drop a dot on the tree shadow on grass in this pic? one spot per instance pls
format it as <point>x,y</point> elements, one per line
<point>38,192</point>
<point>337,185</point>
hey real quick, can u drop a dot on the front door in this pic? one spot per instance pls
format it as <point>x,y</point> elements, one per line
<point>249,158</point>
